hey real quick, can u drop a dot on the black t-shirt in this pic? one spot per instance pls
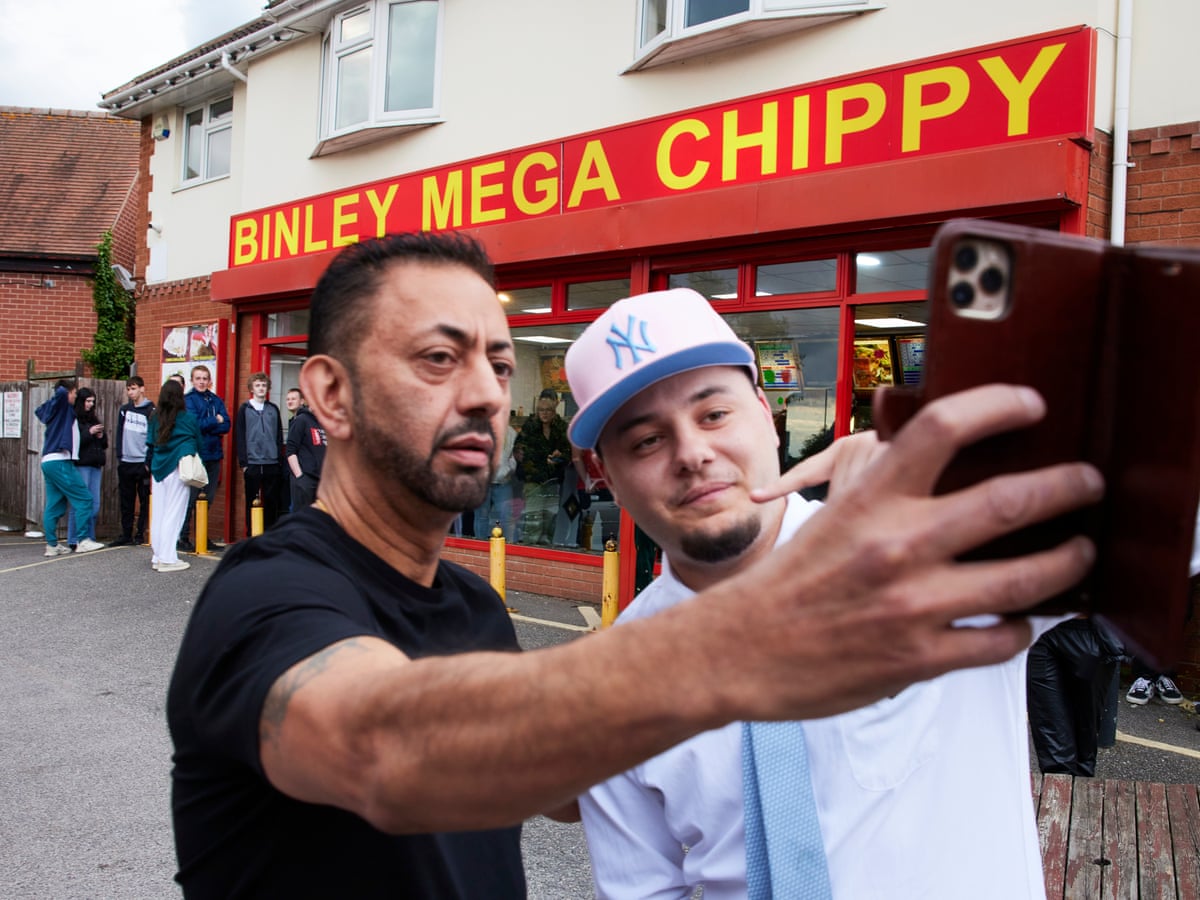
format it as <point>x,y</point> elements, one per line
<point>272,602</point>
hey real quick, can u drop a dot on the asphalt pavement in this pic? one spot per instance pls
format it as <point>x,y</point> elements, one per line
<point>87,643</point>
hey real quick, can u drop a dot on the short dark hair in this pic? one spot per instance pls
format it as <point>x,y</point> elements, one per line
<point>135,380</point>
<point>68,384</point>
<point>340,306</point>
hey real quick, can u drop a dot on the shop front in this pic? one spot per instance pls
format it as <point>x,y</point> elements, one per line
<point>804,215</point>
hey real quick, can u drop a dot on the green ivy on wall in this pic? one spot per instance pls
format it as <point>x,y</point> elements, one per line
<point>112,347</point>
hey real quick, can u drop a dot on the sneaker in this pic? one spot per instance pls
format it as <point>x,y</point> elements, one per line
<point>174,567</point>
<point>87,545</point>
<point>1140,692</point>
<point>1167,691</point>
<point>56,550</point>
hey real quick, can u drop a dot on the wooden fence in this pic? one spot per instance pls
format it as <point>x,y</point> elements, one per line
<point>22,492</point>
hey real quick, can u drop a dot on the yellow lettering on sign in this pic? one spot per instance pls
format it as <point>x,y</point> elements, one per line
<point>595,174</point>
<point>441,210</point>
<point>837,126</point>
<point>287,232</point>
<point>547,187</point>
<point>668,176</point>
<point>245,241</point>
<point>481,191</point>
<point>381,207</point>
<point>1018,91</point>
<point>310,245</point>
<point>342,219</point>
<point>767,140</point>
<point>915,110</point>
<point>267,238</point>
<point>801,112</point>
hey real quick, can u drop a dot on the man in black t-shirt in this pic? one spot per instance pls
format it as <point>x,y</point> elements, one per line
<point>349,719</point>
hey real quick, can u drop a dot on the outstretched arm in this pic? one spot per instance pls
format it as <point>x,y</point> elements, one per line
<point>864,596</point>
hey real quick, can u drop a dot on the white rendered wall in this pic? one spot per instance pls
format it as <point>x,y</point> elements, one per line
<point>522,72</point>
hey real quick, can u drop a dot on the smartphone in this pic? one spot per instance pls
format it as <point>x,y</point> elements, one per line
<point>1108,336</point>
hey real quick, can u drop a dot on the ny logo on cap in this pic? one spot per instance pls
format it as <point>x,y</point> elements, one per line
<point>625,340</point>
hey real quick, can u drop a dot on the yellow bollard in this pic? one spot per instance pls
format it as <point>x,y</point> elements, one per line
<point>612,571</point>
<point>496,558</point>
<point>256,517</point>
<point>201,524</point>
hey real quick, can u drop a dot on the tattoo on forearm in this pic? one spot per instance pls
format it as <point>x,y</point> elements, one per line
<point>276,705</point>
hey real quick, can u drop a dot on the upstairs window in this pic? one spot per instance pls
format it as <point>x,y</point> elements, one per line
<point>670,30</point>
<point>207,141</point>
<point>381,66</point>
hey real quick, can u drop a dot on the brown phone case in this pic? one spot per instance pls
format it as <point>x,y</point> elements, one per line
<point>1105,334</point>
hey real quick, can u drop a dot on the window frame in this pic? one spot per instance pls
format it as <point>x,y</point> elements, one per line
<point>378,117</point>
<point>762,19</point>
<point>208,128</point>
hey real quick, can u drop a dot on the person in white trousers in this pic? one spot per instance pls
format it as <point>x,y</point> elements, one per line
<point>173,434</point>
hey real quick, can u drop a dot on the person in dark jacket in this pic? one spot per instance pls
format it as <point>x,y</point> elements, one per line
<point>173,434</point>
<point>259,440</point>
<point>305,454</point>
<point>93,448</point>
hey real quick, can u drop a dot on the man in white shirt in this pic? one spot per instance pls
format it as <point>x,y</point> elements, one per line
<point>923,794</point>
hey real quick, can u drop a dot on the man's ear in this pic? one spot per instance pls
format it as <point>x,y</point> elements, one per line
<point>599,460</point>
<point>325,384</point>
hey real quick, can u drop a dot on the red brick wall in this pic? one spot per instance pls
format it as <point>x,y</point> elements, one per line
<point>1164,185</point>
<point>51,325</point>
<point>535,575</point>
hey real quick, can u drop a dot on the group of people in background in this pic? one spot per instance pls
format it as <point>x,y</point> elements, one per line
<point>152,437</point>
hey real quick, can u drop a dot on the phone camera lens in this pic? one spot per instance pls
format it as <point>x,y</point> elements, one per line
<point>962,294</point>
<point>966,257</point>
<point>991,279</point>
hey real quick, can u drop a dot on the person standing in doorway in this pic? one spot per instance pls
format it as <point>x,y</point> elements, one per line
<point>209,411</point>
<point>259,439</point>
<point>543,453</point>
<point>62,480</point>
<point>173,434</point>
<point>133,475</point>
<point>305,452</point>
<point>93,448</point>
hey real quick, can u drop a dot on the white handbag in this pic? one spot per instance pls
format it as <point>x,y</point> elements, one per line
<point>192,471</point>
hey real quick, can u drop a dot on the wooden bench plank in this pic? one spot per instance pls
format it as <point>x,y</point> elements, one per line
<point>1183,810</point>
<point>1053,821</point>
<point>1156,868</point>
<point>1120,878</point>
<point>1085,852</point>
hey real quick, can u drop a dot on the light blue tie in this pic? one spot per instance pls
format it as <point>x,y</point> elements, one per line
<point>785,858</point>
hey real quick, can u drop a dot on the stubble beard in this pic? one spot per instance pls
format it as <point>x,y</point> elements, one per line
<point>388,456</point>
<point>725,545</point>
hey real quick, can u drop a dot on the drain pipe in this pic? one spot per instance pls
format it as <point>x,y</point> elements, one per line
<point>1121,164</point>
<point>228,67</point>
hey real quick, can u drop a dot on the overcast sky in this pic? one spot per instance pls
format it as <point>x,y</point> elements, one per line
<point>66,53</point>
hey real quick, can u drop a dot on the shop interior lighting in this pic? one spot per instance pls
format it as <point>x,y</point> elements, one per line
<point>542,338</point>
<point>864,260</point>
<point>889,323</point>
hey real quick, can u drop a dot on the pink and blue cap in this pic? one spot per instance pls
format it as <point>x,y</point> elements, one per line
<point>638,342</point>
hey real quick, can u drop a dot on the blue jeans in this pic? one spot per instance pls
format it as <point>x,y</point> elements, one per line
<point>495,509</point>
<point>65,486</point>
<point>91,478</point>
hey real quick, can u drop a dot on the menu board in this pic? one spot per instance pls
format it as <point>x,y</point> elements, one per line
<point>779,365</point>
<point>911,353</point>
<point>872,363</point>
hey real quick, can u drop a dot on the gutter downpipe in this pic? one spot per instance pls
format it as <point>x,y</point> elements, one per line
<point>228,67</point>
<point>1121,164</point>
